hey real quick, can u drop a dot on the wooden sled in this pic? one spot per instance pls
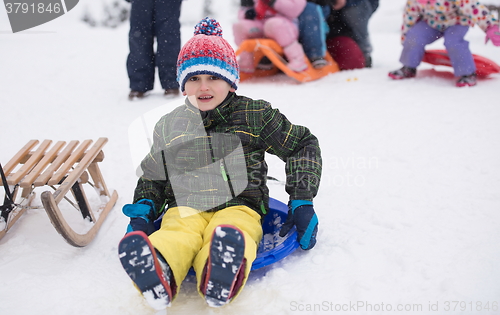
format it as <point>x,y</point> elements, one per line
<point>267,47</point>
<point>484,66</point>
<point>66,166</point>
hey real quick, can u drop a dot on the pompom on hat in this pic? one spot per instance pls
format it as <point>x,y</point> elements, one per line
<point>207,53</point>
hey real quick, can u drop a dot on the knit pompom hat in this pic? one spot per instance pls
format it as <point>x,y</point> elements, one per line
<point>207,53</point>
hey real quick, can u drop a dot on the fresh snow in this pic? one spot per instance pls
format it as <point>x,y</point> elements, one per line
<point>409,206</point>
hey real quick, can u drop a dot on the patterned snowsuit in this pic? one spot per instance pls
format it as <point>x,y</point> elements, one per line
<point>445,13</point>
<point>424,23</point>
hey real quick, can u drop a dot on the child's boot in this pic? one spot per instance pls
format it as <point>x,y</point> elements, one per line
<point>147,268</point>
<point>295,55</point>
<point>319,62</point>
<point>246,62</point>
<point>403,73</point>
<point>225,268</point>
<point>467,80</point>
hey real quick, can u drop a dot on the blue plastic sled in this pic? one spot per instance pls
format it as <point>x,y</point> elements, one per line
<point>272,247</point>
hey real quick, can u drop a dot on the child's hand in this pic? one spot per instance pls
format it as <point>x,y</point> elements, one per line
<point>339,4</point>
<point>142,215</point>
<point>139,224</point>
<point>493,33</point>
<point>302,215</point>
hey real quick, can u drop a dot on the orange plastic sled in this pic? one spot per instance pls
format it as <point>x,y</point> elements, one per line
<point>484,66</point>
<point>267,47</point>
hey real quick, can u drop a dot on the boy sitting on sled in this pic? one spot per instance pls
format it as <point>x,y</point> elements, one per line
<point>206,175</point>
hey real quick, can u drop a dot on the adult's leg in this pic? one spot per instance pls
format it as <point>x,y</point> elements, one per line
<point>458,50</point>
<point>141,59</point>
<point>168,38</point>
<point>357,17</point>
<point>420,35</point>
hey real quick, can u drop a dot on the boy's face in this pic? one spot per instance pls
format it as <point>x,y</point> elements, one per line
<point>206,91</point>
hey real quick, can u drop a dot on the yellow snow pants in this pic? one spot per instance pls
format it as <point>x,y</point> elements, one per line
<point>184,241</point>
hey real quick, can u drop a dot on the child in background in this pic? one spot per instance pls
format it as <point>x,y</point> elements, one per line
<point>313,30</point>
<point>274,19</point>
<point>425,21</point>
<point>206,175</point>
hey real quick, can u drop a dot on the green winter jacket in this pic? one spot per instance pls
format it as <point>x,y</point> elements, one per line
<point>216,161</point>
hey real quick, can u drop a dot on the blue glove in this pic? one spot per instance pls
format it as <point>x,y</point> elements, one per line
<point>302,215</point>
<point>141,216</point>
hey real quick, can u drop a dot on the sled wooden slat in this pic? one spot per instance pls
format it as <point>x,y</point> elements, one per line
<point>44,178</point>
<point>65,168</point>
<point>33,160</point>
<point>18,157</point>
<point>98,158</point>
<point>75,156</point>
<point>49,157</point>
<point>78,171</point>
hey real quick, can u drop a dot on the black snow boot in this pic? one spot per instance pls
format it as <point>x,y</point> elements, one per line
<point>147,268</point>
<point>225,268</point>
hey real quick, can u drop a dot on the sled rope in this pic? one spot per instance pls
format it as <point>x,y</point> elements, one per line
<point>7,207</point>
<point>5,184</point>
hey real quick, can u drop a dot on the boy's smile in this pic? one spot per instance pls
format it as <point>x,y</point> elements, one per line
<point>206,91</point>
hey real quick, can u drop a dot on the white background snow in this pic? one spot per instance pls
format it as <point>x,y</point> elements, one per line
<point>409,206</point>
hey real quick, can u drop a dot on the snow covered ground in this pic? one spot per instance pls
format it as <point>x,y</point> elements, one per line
<point>409,206</point>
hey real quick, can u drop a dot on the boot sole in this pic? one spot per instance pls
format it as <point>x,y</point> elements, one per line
<point>138,258</point>
<point>465,84</point>
<point>226,257</point>
<point>397,77</point>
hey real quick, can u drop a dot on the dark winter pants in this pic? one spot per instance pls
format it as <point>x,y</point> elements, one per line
<point>313,30</point>
<point>421,34</point>
<point>357,17</point>
<point>150,19</point>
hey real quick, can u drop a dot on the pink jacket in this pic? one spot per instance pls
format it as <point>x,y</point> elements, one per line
<point>290,9</point>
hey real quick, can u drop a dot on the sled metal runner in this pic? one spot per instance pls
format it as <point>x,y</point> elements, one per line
<point>64,168</point>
